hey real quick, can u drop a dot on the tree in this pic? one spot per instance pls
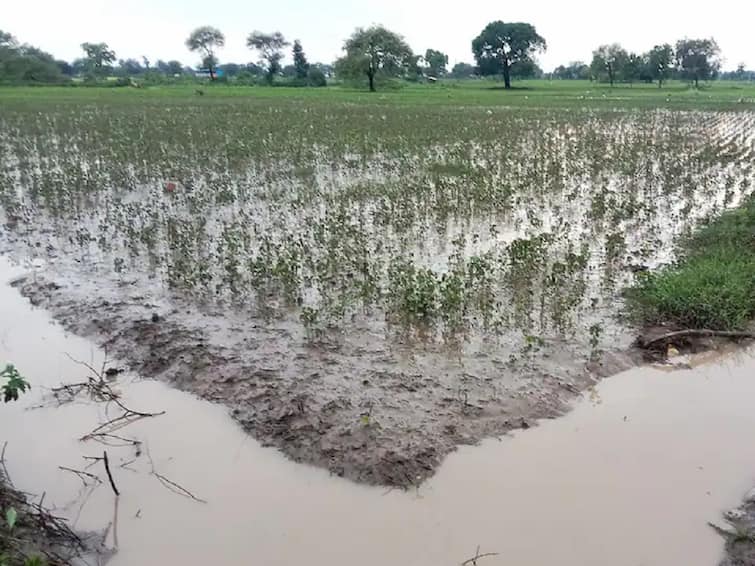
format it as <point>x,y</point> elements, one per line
<point>98,57</point>
<point>130,67</point>
<point>205,40</point>
<point>269,46</point>
<point>374,52</point>
<point>462,71</point>
<point>316,77</point>
<point>607,60</point>
<point>415,70</point>
<point>501,45</point>
<point>573,71</point>
<point>7,40</point>
<point>660,63</point>
<point>26,64</point>
<point>436,63</point>
<point>631,68</point>
<point>300,61</point>
<point>698,59</point>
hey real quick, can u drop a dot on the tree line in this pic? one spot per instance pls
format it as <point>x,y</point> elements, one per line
<point>372,55</point>
<point>693,60</point>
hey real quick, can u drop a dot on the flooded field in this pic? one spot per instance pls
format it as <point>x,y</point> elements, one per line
<point>631,476</point>
<point>365,286</point>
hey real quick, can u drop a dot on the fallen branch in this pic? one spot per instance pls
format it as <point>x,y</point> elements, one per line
<point>698,332</point>
<point>109,475</point>
<point>477,556</point>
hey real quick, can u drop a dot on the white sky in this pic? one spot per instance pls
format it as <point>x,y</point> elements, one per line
<point>158,28</point>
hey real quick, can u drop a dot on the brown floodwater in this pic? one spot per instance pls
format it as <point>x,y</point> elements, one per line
<point>629,477</point>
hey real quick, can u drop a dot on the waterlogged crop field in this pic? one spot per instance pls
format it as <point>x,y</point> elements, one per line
<point>366,283</point>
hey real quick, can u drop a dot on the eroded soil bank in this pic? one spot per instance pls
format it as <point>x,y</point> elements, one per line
<point>359,409</point>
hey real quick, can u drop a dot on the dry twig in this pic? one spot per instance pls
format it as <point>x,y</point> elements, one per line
<point>477,556</point>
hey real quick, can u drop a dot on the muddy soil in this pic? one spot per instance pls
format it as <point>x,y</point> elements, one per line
<point>366,410</point>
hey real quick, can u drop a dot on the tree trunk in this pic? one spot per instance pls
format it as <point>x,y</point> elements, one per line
<point>660,83</point>
<point>371,77</point>
<point>212,73</point>
<point>610,75</point>
<point>697,84</point>
<point>506,75</point>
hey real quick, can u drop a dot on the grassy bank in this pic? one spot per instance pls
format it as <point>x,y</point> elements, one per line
<point>712,285</point>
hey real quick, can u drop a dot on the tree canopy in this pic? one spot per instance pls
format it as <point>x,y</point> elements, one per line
<point>98,58</point>
<point>269,46</point>
<point>436,61</point>
<point>573,71</point>
<point>301,65</point>
<point>607,61</point>
<point>501,45</point>
<point>205,40</point>
<point>462,71</point>
<point>698,59</point>
<point>660,63</point>
<point>374,52</point>
<point>24,64</point>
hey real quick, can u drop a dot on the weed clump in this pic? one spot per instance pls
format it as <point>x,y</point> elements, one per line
<point>712,286</point>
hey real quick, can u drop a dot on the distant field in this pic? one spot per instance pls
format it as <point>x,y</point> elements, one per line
<point>723,95</point>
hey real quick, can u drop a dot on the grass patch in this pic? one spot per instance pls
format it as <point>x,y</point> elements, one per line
<point>712,285</point>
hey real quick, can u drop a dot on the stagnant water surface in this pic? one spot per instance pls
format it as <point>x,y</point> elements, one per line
<point>630,477</point>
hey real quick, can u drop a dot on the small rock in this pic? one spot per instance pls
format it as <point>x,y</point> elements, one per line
<point>155,317</point>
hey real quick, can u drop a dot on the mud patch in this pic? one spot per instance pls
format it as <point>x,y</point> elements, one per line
<point>367,413</point>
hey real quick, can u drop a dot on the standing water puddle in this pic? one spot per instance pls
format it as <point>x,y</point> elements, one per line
<point>630,477</point>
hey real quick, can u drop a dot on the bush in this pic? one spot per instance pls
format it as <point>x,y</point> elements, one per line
<point>315,77</point>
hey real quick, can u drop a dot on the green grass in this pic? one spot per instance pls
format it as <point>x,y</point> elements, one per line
<point>532,93</point>
<point>712,286</point>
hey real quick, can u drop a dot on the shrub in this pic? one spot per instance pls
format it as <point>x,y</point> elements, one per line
<point>315,77</point>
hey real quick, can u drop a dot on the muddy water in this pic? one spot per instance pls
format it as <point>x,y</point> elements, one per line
<point>629,477</point>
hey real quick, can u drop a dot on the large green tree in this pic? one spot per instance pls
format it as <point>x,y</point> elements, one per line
<point>698,59</point>
<point>270,47</point>
<point>374,52</point>
<point>632,68</point>
<point>205,40</point>
<point>502,45</point>
<point>660,63</point>
<point>98,57</point>
<point>436,61</point>
<point>608,62</point>
<point>24,64</point>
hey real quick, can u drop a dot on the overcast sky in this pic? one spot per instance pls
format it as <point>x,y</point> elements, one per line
<point>158,28</point>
